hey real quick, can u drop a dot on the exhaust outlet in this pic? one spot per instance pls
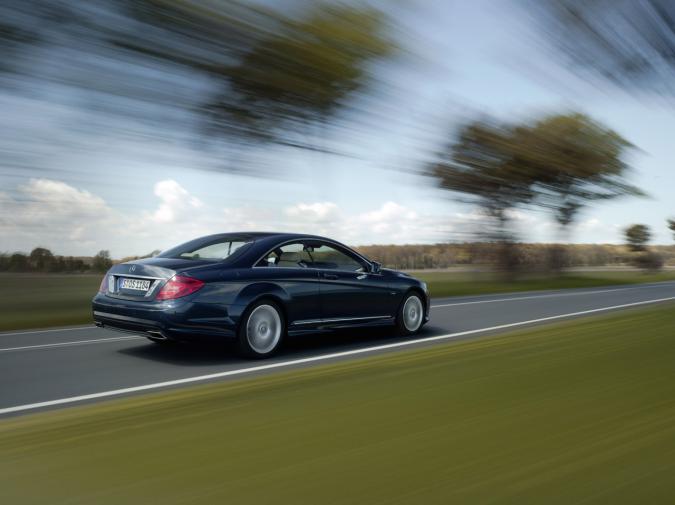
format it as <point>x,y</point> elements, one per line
<point>157,335</point>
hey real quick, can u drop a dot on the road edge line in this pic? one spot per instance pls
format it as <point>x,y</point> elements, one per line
<point>312,359</point>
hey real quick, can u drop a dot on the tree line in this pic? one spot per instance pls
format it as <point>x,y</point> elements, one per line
<point>527,256</point>
<point>43,260</point>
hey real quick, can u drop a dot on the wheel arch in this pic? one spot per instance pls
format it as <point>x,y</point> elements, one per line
<point>257,290</point>
<point>278,301</point>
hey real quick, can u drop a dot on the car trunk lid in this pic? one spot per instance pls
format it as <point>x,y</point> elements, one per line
<point>142,279</point>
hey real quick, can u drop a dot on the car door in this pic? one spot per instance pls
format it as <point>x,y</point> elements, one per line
<point>287,266</point>
<point>348,290</point>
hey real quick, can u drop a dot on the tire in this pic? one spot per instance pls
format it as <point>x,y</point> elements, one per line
<point>410,317</point>
<point>261,330</point>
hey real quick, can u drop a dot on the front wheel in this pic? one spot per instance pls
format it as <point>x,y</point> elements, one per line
<point>410,315</point>
<point>261,330</point>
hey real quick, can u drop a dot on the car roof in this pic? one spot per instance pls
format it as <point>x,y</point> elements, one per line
<point>256,235</point>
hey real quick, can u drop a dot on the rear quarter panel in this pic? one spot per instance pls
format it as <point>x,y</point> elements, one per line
<point>296,289</point>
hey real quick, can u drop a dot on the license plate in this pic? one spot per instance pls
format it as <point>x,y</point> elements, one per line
<point>137,284</point>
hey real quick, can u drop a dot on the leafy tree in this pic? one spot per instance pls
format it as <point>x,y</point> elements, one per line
<point>300,76</point>
<point>560,163</point>
<point>18,263</point>
<point>573,161</point>
<point>649,261</point>
<point>671,226</point>
<point>637,236</point>
<point>626,42</point>
<point>75,264</point>
<point>249,73</point>
<point>41,259</point>
<point>482,165</point>
<point>102,261</point>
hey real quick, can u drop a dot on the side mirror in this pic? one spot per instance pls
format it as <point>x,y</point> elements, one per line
<point>375,267</point>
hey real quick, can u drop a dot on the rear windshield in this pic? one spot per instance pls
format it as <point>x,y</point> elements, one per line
<point>201,249</point>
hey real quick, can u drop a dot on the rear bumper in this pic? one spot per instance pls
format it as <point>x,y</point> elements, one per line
<point>181,319</point>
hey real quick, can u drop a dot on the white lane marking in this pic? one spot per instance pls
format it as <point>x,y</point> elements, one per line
<point>74,328</point>
<point>313,359</point>
<point>71,343</point>
<point>552,295</point>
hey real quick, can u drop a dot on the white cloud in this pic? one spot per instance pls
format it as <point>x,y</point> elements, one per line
<point>74,221</point>
<point>319,212</point>
<point>175,200</point>
<point>48,212</point>
<point>392,221</point>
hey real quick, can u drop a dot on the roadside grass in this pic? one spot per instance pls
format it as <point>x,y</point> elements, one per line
<point>47,300</point>
<point>43,300</point>
<point>581,411</point>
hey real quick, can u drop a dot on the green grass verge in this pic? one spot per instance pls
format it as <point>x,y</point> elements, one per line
<point>581,411</point>
<point>44,300</point>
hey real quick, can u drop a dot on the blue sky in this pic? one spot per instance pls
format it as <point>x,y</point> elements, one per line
<point>124,188</point>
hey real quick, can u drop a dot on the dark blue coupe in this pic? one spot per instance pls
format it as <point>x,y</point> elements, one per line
<point>256,288</point>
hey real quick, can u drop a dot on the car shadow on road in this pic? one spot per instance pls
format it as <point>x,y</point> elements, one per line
<point>295,347</point>
<point>184,354</point>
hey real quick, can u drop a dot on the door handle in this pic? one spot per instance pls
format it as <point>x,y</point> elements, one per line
<point>330,276</point>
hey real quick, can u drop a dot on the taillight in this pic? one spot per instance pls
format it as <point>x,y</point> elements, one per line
<point>179,286</point>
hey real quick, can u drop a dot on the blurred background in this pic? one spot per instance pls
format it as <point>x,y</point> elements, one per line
<point>517,135</point>
<point>489,146</point>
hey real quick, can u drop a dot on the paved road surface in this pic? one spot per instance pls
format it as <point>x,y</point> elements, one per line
<point>60,367</point>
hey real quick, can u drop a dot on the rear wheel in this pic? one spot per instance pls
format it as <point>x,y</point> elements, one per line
<point>261,330</point>
<point>410,314</point>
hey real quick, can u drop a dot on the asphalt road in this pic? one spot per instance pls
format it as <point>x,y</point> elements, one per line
<point>61,367</point>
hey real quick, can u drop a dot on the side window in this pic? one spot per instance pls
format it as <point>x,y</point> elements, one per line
<point>217,251</point>
<point>287,256</point>
<point>327,257</point>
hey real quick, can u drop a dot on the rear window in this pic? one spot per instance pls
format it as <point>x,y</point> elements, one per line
<point>214,250</point>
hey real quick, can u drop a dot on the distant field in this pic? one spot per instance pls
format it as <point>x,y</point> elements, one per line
<point>452,283</point>
<point>44,300</point>
<point>580,412</point>
<point>39,300</point>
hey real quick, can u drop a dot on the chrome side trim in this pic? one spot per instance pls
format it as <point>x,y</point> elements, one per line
<point>336,320</point>
<point>138,276</point>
